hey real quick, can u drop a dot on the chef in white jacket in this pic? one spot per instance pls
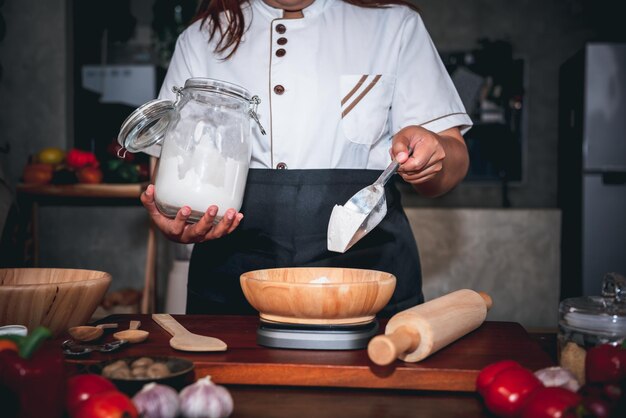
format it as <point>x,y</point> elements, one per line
<point>344,87</point>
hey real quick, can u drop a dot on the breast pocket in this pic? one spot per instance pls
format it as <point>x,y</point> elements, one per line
<point>365,104</point>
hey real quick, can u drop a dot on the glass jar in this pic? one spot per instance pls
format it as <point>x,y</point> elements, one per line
<point>205,145</point>
<point>588,321</point>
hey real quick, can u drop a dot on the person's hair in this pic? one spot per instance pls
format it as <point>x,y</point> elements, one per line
<point>210,13</point>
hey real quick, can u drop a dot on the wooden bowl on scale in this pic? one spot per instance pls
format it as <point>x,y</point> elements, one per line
<point>55,298</point>
<point>318,295</point>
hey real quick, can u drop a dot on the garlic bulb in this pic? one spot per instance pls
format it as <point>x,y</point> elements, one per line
<point>157,401</point>
<point>558,377</point>
<point>204,399</point>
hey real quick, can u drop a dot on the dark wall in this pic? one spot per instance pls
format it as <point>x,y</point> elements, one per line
<point>36,57</point>
<point>544,34</point>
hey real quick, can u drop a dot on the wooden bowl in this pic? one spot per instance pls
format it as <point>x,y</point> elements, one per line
<point>318,295</point>
<point>55,298</point>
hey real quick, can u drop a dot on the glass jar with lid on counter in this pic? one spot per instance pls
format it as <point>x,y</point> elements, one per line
<point>589,321</point>
<point>205,145</point>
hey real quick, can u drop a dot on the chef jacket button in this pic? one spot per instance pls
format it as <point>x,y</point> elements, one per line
<point>278,89</point>
<point>281,166</point>
<point>280,28</point>
<point>281,41</point>
<point>280,52</point>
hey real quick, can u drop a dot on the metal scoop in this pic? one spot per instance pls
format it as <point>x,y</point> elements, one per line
<point>361,213</point>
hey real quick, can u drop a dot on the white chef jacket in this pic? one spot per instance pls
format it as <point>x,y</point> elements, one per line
<point>334,86</point>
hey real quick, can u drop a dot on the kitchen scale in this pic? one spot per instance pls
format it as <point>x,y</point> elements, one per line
<point>316,336</point>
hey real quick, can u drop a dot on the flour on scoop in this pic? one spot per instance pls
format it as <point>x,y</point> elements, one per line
<point>344,224</point>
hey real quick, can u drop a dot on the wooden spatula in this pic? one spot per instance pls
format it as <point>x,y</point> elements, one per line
<point>184,340</point>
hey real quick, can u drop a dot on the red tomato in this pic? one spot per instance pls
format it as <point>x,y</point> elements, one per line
<point>76,159</point>
<point>487,374</point>
<point>509,391</point>
<point>89,175</point>
<point>111,404</point>
<point>603,364</point>
<point>82,387</point>
<point>550,402</point>
<point>37,173</point>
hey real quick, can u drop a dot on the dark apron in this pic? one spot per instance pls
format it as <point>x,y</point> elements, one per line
<point>285,224</point>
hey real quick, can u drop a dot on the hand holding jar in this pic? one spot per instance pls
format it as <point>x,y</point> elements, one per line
<point>180,230</point>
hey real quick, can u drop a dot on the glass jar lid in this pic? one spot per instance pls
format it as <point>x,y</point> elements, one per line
<point>218,86</point>
<point>147,125</point>
<point>604,314</point>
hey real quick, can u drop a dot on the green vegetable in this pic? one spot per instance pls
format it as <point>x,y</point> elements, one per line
<point>128,173</point>
<point>34,339</point>
<point>17,339</point>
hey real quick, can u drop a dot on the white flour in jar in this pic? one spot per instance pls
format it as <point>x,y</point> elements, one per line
<point>200,180</point>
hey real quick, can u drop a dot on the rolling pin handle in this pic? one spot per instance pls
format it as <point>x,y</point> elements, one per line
<point>487,299</point>
<point>385,349</point>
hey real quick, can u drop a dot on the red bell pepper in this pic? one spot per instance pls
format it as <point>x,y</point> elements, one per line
<point>32,380</point>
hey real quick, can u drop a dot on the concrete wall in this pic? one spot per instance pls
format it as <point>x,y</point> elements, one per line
<point>544,34</point>
<point>36,112</point>
<point>35,83</point>
<point>513,255</point>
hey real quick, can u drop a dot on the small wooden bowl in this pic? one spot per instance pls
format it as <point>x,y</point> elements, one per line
<point>318,295</point>
<point>55,298</point>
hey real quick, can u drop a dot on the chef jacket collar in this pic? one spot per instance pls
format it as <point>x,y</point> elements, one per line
<point>316,8</point>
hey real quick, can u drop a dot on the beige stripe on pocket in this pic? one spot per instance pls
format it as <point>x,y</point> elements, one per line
<point>354,89</point>
<point>360,96</point>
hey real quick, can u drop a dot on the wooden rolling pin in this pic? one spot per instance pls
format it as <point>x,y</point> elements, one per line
<point>417,332</point>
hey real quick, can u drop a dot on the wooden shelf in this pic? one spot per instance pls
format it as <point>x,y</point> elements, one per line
<point>32,196</point>
<point>102,190</point>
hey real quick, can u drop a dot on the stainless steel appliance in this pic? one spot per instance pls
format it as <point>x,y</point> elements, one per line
<point>592,167</point>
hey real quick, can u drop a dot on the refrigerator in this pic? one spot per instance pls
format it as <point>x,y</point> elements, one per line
<point>592,167</point>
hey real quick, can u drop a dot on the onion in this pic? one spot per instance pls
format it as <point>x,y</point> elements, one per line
<point>558,377</point>
<point>204,399</point>
<point>157,401</point>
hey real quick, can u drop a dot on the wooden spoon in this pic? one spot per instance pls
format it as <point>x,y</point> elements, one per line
<point>133,334</point>
<point>88,332</point>
<point>184,340</point>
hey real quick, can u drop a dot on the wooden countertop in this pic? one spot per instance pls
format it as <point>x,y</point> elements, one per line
<point>454,368</point>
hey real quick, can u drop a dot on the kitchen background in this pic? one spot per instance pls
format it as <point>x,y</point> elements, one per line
<point>513,228</point>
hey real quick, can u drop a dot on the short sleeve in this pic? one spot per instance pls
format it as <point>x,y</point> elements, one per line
<point>424,94</point>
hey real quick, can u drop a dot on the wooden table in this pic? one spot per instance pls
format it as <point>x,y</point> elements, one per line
<point>273,382</point>
<point>31,196</point>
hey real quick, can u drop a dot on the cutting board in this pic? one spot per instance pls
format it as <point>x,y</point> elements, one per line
<point>453,368</point>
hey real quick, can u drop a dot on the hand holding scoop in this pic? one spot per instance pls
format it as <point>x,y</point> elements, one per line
<point>361,213</point>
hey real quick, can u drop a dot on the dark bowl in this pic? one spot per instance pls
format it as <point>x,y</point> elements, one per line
<point>181,374</point>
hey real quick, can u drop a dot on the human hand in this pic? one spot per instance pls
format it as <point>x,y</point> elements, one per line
<point>179,230</point>
<point>425,162</point>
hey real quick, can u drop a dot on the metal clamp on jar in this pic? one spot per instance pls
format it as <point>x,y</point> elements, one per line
<point>206,147</point>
